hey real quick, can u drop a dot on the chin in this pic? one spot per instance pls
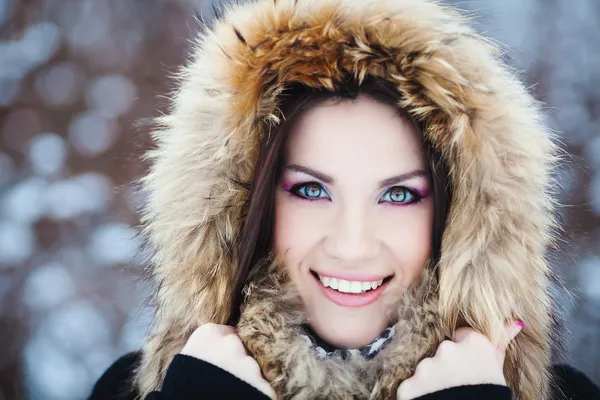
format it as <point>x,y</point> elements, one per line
<point>348,335</point>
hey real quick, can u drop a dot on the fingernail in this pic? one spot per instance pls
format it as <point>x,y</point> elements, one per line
<point>516,328</point>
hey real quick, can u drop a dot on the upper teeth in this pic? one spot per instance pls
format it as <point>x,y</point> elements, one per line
<point>349,286</point>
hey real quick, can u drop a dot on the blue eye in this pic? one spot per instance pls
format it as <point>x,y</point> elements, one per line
<point>399,195</point>
<point>309,190</point>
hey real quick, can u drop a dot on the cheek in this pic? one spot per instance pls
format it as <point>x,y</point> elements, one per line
<point>295,227</point>
<point>283,228</point>
<point>408,238</point>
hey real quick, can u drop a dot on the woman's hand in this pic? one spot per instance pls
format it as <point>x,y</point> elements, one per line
<point>470,359</point>
<point>220,346</point>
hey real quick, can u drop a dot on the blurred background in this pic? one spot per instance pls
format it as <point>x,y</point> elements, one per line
<point>79,79</point>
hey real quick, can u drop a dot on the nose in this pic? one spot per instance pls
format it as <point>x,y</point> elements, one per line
<point>352,237</point>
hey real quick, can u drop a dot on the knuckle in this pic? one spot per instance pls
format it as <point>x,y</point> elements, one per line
<point>206,330</point>
<point>198,336</point>
<point>233,344</point>
<point>210,327</point>
<point>232,339</point>
<point>424,366</point>
<point>445,347</point>
<point>210,332</point>
<point>404,389</point>
<point>474,336</point>
<point>478,339</point>
<point>249,364</point>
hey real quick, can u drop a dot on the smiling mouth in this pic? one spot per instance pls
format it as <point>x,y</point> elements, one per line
<point>350,287</point>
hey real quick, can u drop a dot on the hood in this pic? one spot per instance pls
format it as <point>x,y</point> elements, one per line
<point>474,110</point>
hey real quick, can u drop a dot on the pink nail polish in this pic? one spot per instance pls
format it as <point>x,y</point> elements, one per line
<point>521,323</point>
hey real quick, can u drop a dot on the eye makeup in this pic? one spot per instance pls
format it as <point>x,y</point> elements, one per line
<point>293,188</point>
<point>288,184</point>
<point>409,192</point>
<point>422,192</point>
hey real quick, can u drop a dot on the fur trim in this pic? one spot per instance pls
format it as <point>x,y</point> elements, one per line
<point>271,325</point>
<point>475,111</point>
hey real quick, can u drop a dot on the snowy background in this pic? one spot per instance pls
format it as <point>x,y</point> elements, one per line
<point>78,78</point>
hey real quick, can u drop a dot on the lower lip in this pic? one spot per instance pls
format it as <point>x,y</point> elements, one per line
<point>352,299</point>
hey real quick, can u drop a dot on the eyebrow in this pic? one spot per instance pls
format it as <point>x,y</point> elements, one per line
<point>384,183</point>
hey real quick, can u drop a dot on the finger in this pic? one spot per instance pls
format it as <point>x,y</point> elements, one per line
<point>512,329</point>
<point>463,333</point>
<point>251,367</point>
<point>252,374</point>
<point>266,388</point>
<point>226,329</point>
<point>404,391</point>
<point>233,344</point>
<point>213,329</point>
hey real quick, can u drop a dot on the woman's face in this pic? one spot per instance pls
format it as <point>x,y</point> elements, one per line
<point>353,215</point>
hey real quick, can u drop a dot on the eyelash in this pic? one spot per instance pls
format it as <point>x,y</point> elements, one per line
<point>294,191</point>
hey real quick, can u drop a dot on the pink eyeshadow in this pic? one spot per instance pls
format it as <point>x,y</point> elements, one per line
<point>422,192</point>
<point>287,184</point>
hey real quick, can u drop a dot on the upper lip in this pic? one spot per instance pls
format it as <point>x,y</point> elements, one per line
<point>352,276</point>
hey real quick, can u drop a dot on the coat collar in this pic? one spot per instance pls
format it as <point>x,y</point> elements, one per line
<point>272,329</point>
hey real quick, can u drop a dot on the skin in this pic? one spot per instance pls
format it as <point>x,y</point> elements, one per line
<point>349,223</point>
<point>353,227</point>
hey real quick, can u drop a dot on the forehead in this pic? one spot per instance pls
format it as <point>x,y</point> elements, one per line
<point>363,132</point>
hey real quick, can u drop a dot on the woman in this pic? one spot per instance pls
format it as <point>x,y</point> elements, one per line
<point>349,200</point>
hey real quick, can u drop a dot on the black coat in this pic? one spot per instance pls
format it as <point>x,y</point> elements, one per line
<point>193,379</point>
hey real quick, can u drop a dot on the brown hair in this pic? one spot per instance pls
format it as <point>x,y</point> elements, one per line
<point>255,241</point>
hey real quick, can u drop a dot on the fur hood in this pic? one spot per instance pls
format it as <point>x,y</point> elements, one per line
<point>501,222</point>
